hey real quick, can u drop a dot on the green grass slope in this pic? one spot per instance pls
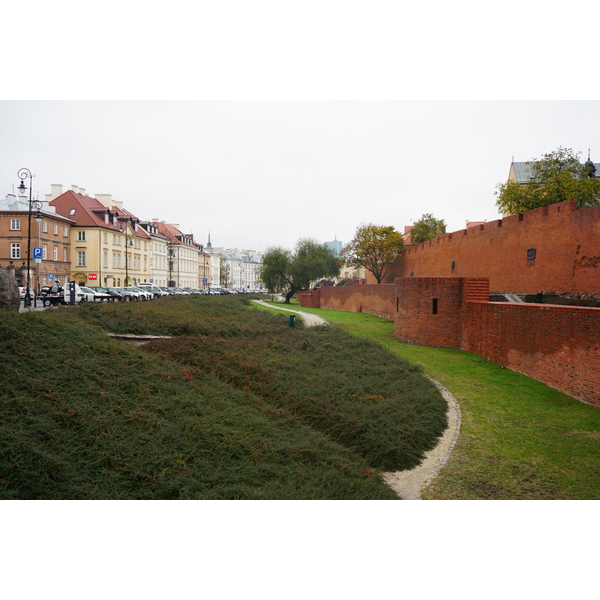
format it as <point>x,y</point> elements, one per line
<point>236,405</point>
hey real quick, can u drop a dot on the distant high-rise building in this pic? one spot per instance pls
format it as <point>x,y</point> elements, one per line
<point>336,246</point>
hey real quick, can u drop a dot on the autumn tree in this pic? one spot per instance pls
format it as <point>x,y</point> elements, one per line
<point>373,247</point>
<point>295,271</point>
<point>427,228</point>
<point>557,177</point>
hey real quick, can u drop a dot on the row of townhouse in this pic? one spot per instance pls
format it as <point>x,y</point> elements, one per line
<point>96,241</point>
<point>240,269</point>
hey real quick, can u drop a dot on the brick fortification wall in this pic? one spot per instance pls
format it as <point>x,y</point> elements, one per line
<point>373,299</point>
<point>430,311</point>
<point>557,345</point>
<point>566,243</point>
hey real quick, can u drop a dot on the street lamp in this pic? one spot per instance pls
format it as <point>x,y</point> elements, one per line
<point>23,174</point>
<point>126,253</point>
<point>171,253</point>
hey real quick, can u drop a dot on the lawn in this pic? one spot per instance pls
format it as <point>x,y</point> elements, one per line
<point>519,439</point>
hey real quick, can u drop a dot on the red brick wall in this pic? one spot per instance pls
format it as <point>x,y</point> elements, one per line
<point>310,299</point>
<point>558,345</point>
<point>566,241</point>
<point>416,300</point>
<point>373,299</point>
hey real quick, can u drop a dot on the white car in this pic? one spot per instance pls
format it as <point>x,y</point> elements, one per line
<point>90,295</point>
<point>23,292</point>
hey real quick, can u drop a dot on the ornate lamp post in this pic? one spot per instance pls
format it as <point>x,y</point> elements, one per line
<point>171,254</point>
<point>126,253</point>
<point>23,174</point>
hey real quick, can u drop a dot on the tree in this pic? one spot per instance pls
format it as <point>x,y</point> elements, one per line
<point>427,228</point>
<point>374,247</point>
<point>556,177</point>
<point>296,270</point>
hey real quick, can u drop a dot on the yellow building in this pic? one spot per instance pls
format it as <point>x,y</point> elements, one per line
<point>108,247</point>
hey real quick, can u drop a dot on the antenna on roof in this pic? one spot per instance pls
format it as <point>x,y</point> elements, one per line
<point>513,156</point>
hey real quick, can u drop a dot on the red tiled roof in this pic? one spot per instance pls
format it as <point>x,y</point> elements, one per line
<point>90,212</point>
<point>170,232</point>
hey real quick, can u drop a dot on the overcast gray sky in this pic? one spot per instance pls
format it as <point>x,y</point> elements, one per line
<point>268,121</point>
<point>261,173</point>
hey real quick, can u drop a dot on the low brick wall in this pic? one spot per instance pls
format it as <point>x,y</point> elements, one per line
<point>557,345</point>
<point>373,299</point>
<point>309,299</point>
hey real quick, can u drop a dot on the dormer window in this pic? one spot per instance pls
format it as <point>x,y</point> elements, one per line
<point>72,212</point>
<point>106,216</point>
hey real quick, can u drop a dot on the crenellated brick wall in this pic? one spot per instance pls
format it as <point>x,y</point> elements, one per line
<point>566,242</point>
<point>440,295</point>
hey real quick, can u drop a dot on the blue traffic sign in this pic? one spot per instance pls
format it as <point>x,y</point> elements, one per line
<point>37,253</point>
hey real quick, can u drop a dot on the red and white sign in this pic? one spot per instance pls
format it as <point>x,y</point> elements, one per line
<point>92,277</point>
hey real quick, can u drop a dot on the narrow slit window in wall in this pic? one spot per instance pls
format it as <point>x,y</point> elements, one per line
<point>435,306</point>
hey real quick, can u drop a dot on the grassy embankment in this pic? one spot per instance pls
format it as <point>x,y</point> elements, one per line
<point>520,439</point>
<point>235,405</point>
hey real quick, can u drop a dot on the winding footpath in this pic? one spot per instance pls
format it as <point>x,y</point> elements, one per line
<point>409,484</point>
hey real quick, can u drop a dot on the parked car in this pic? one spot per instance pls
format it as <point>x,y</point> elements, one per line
<point>144,294</point>
<point>113,295</point>
<point>94,295</point>
<point>23,292</point>
<point>156,291</point>
<point>128,293</point>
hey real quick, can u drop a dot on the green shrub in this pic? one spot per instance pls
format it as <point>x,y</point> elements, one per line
<point>236,405</point>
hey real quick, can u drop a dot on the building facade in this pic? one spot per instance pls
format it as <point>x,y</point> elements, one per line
<point>182,256</point>
<point>52,234</point>
<point>109,247</point>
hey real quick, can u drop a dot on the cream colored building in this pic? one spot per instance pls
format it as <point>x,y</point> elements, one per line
<point>108,245</point>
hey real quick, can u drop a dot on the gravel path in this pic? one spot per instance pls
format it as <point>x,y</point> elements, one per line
<point>309,319</point>
<point>409,484</point>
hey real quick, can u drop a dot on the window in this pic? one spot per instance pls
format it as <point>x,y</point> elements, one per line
<point>81,259</point>
<point>15,250</point>
<point>55,228</point>
<point>45,251</point>
<point>65,254</point>
<point>105,260</point>
<point>45,226</point>
<point>72,212</point>
<point>65,231</point>
<point>81,236</point>
<point>105,237</point>
<point>15,224</point>
<point>55,252</point>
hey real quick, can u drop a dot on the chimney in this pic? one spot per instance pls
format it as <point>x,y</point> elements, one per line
<point>105,199</point>
<point>82,191</point>
<point>75,189</point>
<point>55,193</point>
